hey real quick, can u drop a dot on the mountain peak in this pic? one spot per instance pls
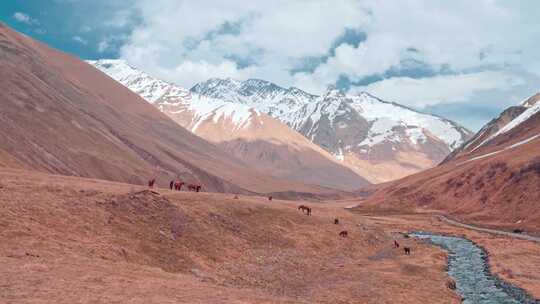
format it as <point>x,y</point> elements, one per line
<point>357,128</point>
<point>531,101</point>
<point>333,92</point>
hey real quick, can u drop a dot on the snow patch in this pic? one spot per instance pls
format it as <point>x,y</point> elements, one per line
<point>512,124</point>
<point>502,150</point>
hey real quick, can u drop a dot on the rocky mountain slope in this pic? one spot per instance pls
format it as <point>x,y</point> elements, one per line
<point>500,125</point>
<point>61,115</point>
<point>250,135</point>
<point>378,140</point>
<point>494,180</point>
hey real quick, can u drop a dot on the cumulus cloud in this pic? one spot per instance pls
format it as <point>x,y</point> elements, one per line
<point>424,92</point>
<point>24,18</point>
<point>103,45</point>
<point>175,32</point>
<point>80,40</point>
<point>467,47</point>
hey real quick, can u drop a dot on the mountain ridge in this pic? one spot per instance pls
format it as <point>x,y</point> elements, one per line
<point>253,137</point>
<point>61,115</point>
<point>379,140</point>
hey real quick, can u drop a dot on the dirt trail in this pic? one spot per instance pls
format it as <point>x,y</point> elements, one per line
<point>488,230</point>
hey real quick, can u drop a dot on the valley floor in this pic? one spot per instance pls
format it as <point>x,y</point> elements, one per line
<point>73,240</point>
<point>513,258</point>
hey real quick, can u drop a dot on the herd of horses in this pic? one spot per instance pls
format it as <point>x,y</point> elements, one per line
<point>177,185</point>
<point>344,233</point>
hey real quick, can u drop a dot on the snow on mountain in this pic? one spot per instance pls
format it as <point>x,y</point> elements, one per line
<point>494,133</point>
<point>378,139</point>
<point>360,130</point>
<point>296,107</point>
<point>262,142</point>
<point>175,99</point>
<point>529,112</point>
<point>532,107</point>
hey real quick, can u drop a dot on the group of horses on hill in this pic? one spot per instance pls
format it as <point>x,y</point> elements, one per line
<point>177,185</point>
<point>344,233</point>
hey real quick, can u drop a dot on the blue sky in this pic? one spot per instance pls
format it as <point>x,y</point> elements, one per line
<point>465,60</point>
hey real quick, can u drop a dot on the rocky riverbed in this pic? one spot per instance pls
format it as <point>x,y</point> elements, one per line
<point>468,266</point>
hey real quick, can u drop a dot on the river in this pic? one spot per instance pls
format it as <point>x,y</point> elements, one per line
<point>468,266</point>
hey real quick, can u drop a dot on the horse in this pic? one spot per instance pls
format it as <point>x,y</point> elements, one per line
<point>344,233</point>
<point>396,244</point>
<point>171,185</point>
<point>451,284</point>
<point>305,209</point>
<point>195,188</point>
<point>178,185</point>
<point>407,250</point>
<point>336,221</point>
<point>518,231</point>
<point>270,198</point>
<point>151,183</point>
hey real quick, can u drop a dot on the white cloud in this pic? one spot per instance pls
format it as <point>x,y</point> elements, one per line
<point>175,32</point>
<point>440,89</point>
<point>24,18</point>
<point>103,45</point>
<point>489,45</point>
<point>80,40</point>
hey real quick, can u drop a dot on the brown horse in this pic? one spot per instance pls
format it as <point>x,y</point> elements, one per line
<point>396,244</point>
<point>193,187</point>
<point>151,183</point>
<point>336,221</point>
<point>344,233</point>
<point>270,198</point>
<point>305,209</point>
<point>407,250</point>
<point>178,185</point>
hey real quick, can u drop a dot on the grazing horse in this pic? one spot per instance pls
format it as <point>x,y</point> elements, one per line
<point>451,284</point>
<point>195,188</point>
<point>178,185</point>
<point>396,244</point>
<point>151,183</point>
<point>305,209</point>
<point>344,233</point>
<point>336,221</point>
<point>407,250</point>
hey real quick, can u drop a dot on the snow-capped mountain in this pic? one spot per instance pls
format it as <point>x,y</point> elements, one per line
<point>493,179</point>
<point>191,109</point>
<point>262,142</point>
<point>491,133</point>
<point>378,140</point>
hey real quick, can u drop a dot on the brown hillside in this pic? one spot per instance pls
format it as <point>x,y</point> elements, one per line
<point>496,185</point>
<point>68,239</point>
<point>61,115</point>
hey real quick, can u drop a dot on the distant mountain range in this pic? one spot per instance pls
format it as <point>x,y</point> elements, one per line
<point>378,140</point>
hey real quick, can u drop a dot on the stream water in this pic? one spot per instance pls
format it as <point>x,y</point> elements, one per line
<point>468,266</point>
